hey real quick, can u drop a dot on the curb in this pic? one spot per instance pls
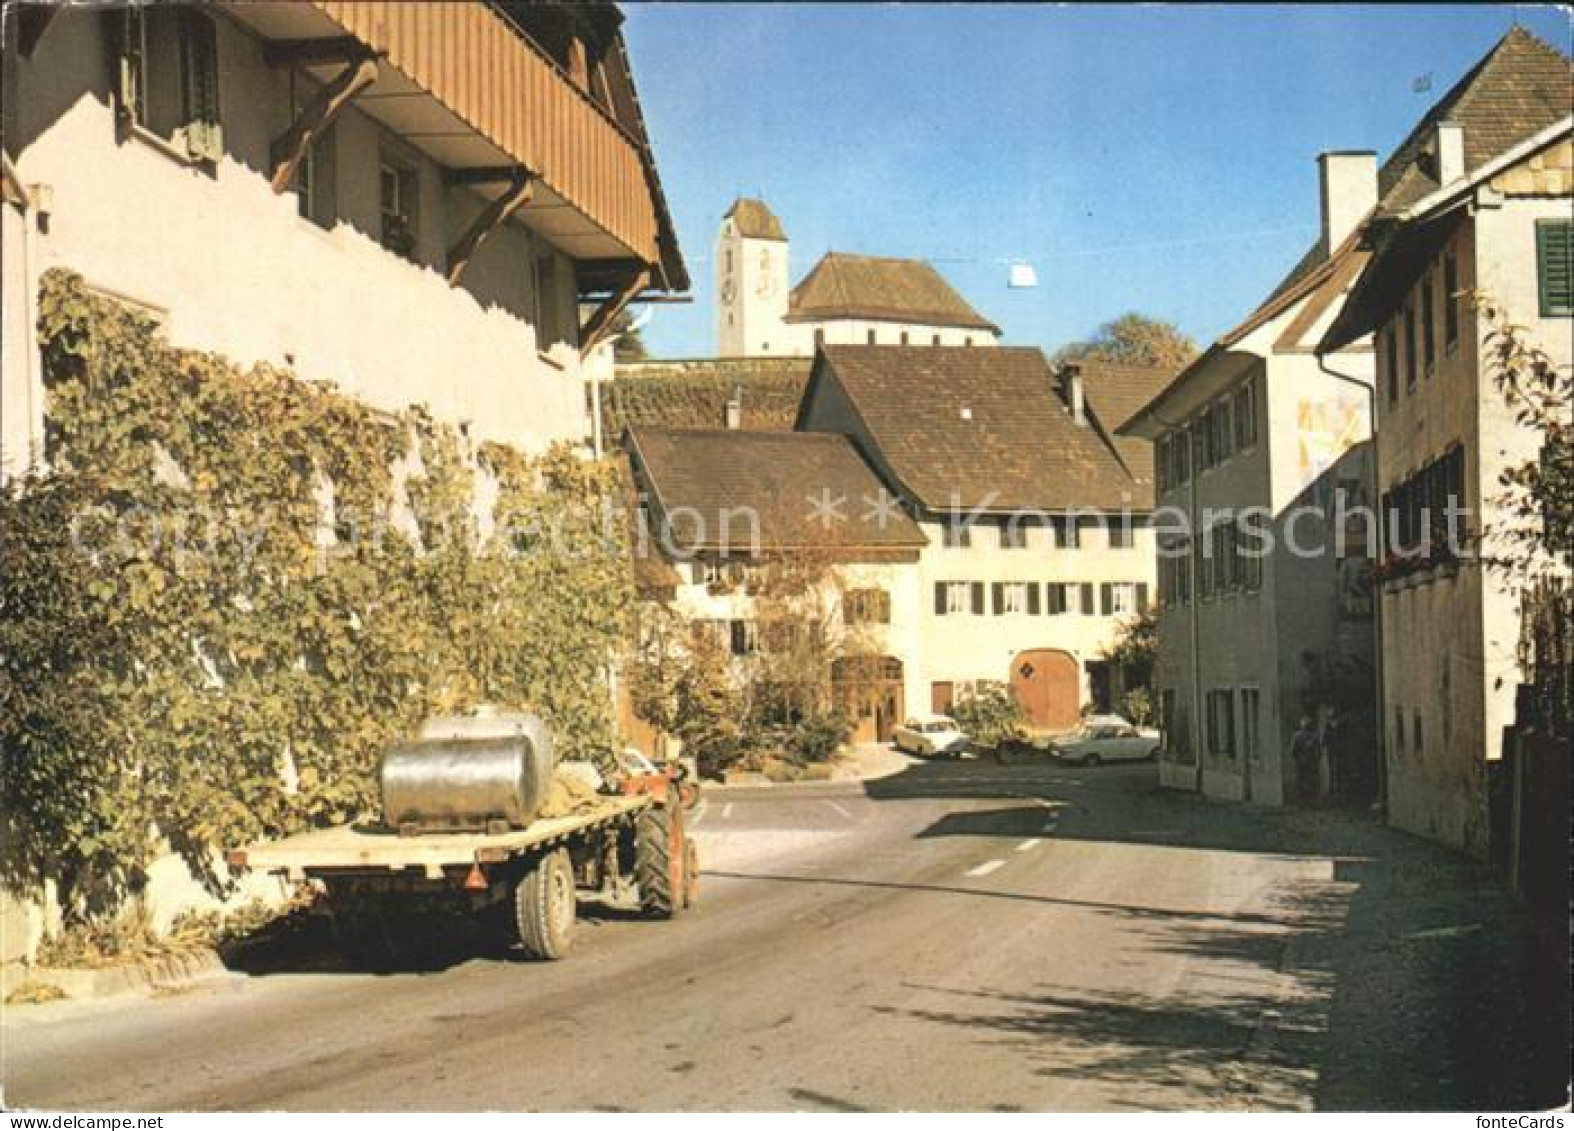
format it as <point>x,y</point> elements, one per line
<point>162,972</point>
<point>757,780</point>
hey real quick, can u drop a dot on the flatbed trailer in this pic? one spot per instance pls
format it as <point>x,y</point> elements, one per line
<point>623,846</point>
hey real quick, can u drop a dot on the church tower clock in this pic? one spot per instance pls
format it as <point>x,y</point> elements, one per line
<point>751,283</point>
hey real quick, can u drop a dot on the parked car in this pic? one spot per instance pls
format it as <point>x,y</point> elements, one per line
<point>1106,738</point>
<point>931,736</point>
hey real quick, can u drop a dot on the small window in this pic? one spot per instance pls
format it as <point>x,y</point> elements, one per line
<point>904,337</point>
<point>1011,597</point>
<point>1245,413</point>
<point>1555,267</point>
<point>1123,598</point>
<point>819,337</point>
<point>936,340</point>
<point>1013,533</point>
<point>951,598</point>
<point>1088,607</point>
<point>867,606</point>
<point>958,534</point>
<point>1410,346</point>
<point>397,197</point>
<point>1221,722</point>
<point>1428,327</point>
<point>1249,721</point>
<point>1058,593</point>
<point>1451,298</point>
<point>871,337</point>
<point>967,341</point>
<point>1121,536</point>
<point>1391,361</point>
<point>1068,533</point>
<point>744,637</point>
<point>169,77</point>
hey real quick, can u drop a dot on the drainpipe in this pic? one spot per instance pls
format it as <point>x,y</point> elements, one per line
<point>33,454</point>
<point>1379,730</point>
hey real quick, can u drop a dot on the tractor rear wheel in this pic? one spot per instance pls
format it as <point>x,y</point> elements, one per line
<point>544,907</point>
<point>658,860</point>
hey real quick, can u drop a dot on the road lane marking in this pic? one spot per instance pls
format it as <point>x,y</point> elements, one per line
<point>986,867</point>
<point>840,810</point>
<point>726,811</point>
<point>1029,845</point>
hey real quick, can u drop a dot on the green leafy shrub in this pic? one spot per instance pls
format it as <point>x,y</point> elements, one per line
<point>210,623</point>
<point>990,715</point>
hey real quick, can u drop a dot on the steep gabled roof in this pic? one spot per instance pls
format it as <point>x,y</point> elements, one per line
<point>881,290</point>
<point>755,220</point>
<point>986,428</point>
<point>1520,86</point>
<point>796,489</point>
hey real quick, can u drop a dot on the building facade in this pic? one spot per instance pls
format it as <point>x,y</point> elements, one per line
<point>312,187</point>
<point>1481,207</point>
<point>332,189</point>
<point>843,300</point>
<point>1038,546</point>
<point>1259,444</point>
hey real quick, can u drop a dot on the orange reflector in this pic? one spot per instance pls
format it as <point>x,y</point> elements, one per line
<point>476,880</point>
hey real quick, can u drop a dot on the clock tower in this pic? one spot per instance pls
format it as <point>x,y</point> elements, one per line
<point>751,284</point>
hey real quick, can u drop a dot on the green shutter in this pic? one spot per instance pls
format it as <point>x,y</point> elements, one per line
<point>999,595</point>
<point>199,65</point>
<point>1033,605</point>
<point>940,599</point>
<point>978,597</point>
<point>1555,267</point>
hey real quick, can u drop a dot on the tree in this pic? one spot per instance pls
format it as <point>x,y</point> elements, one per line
<point>1530,541</point>
<point>1135,653</point>
<point>1133,339</point>
<point>627,344</point>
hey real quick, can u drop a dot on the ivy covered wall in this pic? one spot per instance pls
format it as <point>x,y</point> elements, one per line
<point>231,588</point>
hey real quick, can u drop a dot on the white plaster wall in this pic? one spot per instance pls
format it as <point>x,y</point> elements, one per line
<point>241,273</point>
<point>965,647</point>
<point>855,332</point>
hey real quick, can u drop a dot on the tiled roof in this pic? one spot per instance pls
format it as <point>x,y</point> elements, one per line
<point>985,427</point>
<point>881,290</point>
<point>1519,87</point>
<point>1116,393</point>
<point>694,394</point>
<point>726,477</point>
<point>755,220</point>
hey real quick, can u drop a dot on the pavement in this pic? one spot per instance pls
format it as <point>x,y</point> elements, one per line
<point>952,936</point>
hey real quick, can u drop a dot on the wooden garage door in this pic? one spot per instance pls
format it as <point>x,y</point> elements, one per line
<point>1046,683</point>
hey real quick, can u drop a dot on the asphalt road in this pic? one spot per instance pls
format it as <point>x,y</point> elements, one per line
<point>959,936</point>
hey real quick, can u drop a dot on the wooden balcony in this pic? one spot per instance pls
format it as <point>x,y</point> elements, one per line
<point>467,87</point>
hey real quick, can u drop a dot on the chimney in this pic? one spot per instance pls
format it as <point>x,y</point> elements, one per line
<point>1071,376</point>
<point>1450,144</point>
<point>735,409</point>
<point>1349,190</point>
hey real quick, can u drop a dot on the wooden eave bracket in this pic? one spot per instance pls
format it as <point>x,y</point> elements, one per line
<point>599,324</point>
<point>290,147</point>
<point>521,186</point>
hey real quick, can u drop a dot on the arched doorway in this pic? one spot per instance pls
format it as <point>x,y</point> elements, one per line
<point>868,690</point>
<point>1047,682</point>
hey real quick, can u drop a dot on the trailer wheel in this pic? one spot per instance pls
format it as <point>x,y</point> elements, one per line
<point>544,906</point>
<point>658,860</point>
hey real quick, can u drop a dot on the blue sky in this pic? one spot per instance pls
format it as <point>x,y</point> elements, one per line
<point>1159,159</point>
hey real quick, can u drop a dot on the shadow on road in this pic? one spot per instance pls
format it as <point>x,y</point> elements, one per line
<point>1407,969</point>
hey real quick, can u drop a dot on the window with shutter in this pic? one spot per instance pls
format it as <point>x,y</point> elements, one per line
<point>1410,347</point>
<point>1057,598</point>
<point>1106,599</point>
<point>1391,361</point>
<point>1428,331</point>
<point>1086,589</point>
<point>940,599</point>
<point>978,598</point>
<point>1555,267</point>
<point>199,58</point>
<point>999,596</point>
<point>1142,596</point>
<point>1033,605</point>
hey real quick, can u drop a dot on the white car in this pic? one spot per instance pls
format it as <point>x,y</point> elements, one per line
<point>1106,738</point>
<point>931,735</point>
